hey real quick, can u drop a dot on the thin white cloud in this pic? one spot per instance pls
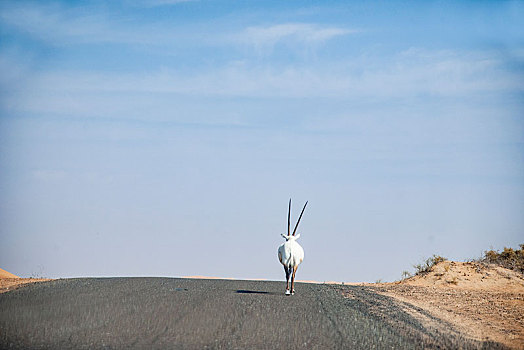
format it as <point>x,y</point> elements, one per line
<point>55,24</point>
<point>305,33</point>
<point>156,3</point>
<point>405,76</point>
<point>408,73</point>
<point>59,25</point>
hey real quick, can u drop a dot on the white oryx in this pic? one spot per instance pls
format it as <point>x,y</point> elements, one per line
<point>290,253</point>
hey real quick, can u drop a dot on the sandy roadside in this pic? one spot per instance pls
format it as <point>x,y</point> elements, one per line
<point>484,302</point>
<point>9,281</point>
<point>7,284</point>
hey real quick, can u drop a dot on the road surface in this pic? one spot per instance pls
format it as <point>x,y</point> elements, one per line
<point>171,313</point>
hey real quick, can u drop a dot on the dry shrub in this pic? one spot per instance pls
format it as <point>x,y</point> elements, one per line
<point>509,258</point>
<point>428,264</point>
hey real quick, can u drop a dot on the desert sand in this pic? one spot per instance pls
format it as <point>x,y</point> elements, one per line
<point>480,300</point>
<point>5,274</point>
<point>9,281</point>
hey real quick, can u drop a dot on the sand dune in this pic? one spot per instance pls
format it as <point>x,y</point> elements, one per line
<point>9,281</point>
<point>483,301</point>
<point>5,274</point>
<point>470,275</point>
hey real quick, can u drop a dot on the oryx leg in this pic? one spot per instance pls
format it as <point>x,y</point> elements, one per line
<point>293,279</point>
<point>288,272</point>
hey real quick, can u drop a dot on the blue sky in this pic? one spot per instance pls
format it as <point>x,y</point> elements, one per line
<point>164,138</point>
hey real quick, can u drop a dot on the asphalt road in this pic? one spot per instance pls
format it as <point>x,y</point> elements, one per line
<point>170,313</point>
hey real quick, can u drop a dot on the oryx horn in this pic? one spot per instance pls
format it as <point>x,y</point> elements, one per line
<point>288,217</point>
<point>300,217</point>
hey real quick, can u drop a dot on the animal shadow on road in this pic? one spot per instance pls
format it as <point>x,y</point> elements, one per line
<point>245,291</point>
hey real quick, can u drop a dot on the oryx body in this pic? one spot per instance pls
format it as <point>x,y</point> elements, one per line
<point>290,253</point>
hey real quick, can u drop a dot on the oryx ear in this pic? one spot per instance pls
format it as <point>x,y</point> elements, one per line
<point>283,235</point>
<point>297,236</point>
